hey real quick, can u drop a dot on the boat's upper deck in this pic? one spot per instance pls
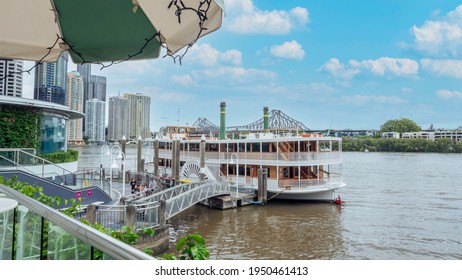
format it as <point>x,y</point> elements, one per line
<point>270,149</point>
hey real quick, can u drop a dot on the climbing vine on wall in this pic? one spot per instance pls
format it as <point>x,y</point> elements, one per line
<point>19,128</point>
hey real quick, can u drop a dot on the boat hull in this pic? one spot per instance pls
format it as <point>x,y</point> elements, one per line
<point>322,194</point>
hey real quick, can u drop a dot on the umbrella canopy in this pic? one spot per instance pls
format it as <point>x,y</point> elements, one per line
<point>103,30</point>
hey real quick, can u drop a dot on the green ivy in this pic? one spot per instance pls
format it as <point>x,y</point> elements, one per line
<point>20,128</point>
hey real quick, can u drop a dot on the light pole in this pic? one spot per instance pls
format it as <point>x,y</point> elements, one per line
<point>123,165</point>
<point>114,165</point>
<point>101,165</point>
<point>237,173</point>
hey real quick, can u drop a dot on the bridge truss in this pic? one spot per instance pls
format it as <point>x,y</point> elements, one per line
<point>277,121</point>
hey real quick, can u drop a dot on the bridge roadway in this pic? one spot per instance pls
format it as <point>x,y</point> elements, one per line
<point>148,207</point>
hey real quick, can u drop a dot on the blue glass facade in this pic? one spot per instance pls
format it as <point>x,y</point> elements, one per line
<point>53,137</point>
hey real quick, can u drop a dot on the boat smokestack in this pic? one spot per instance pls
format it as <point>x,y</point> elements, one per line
<point>265,119</point>
<point>222,120</point>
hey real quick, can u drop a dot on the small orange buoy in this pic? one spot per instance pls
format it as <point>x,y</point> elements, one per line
<point>338,200</point>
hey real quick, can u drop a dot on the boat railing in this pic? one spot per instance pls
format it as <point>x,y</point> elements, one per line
<point>292,184</point>
<point>321,157</point>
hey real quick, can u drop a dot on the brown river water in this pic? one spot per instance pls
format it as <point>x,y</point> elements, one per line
<point>396,206</point>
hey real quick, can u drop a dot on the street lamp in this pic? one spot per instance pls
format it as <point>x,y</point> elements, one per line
<point>101,165</point>
<point>114,164</point>
<point>124,139</point>
<point>237,173</point>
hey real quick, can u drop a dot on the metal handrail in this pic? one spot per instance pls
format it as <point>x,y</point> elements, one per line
<point>113,247</point>
<point>17,165</point>
<point>37,158</point>
<point>189,198</point>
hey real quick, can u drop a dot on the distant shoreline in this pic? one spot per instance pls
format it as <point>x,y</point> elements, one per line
<point>371,144</point>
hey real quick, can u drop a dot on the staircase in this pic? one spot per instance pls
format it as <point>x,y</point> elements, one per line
<point>283,149</point>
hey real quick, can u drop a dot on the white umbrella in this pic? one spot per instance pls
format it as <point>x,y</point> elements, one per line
<point>103,30</point>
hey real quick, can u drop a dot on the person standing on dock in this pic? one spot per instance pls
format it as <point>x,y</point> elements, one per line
<point>133,185</point>
<point>152,184</point>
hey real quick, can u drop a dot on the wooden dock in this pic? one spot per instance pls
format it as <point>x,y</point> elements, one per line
<point>229,201</point>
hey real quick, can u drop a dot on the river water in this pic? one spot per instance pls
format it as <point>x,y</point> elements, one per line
<point>396,206</point>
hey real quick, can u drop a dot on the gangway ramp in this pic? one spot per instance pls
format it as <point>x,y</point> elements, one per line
<point>183,196</point>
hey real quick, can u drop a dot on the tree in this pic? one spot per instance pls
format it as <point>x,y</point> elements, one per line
<point>400,126</point>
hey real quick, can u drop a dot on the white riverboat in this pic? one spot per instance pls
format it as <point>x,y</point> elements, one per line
<point>299,167</point>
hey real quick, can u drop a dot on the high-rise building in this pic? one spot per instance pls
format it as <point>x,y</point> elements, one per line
<point>11,77</point>
<point>97,88</point>
<point>75,102</point>
<point>50,80</point>
<point>118,118</point>
<point>93,86</point>
<point>139,115</point>
<point>95,128</point>
<point>85,73</point>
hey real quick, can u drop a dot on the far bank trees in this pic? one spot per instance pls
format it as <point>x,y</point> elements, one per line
<point>400,126</point>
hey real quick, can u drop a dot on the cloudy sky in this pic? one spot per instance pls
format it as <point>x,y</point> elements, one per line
<point>355,64</point>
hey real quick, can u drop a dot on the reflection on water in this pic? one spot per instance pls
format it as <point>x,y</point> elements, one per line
<point>275,231</point>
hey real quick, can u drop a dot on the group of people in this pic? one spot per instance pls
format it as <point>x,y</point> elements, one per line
<point>137,187</point>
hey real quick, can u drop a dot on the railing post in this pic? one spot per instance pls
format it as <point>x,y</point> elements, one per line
<point>156,157</point>
<point>122,202</point>
<point>130,215</point>
<point>262,185</point>
<point>163,212</point>
<point>91,213</point>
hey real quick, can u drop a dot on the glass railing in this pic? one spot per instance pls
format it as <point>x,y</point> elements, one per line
<point>34,231</point>
<point>19,159</point>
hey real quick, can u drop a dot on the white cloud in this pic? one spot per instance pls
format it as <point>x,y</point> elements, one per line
<point>289,50</point>
<point>383,65</point>
<point>366,99</point>
<point>183,80</point>
<point>232,56</point>
<point>321,88</point>
<point>237,74</point>
<point>447,94</point>
<point>175,97</point>
<point>440,37</point>
<point>406,90</point>
<point>245,18</point>
<point>208,56</point>
<point>338,70</point>
<point>443,67</point>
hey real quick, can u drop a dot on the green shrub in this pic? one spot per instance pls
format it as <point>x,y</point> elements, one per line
<point>61,157</point>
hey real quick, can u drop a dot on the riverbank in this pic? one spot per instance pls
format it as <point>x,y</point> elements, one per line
<point>401,145</point>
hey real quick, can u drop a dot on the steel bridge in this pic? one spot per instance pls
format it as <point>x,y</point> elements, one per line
<point>277,121</point>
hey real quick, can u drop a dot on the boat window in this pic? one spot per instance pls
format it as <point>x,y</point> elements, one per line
<point>241,170</point>
<point>213,147</point>
<point>265,147</point>
<point>231,169</point>
<point>194,147</point>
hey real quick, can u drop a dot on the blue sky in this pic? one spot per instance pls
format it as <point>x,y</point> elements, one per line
<point>355,63</point>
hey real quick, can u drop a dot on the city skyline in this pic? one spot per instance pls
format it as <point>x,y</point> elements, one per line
<point>327,64</point>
